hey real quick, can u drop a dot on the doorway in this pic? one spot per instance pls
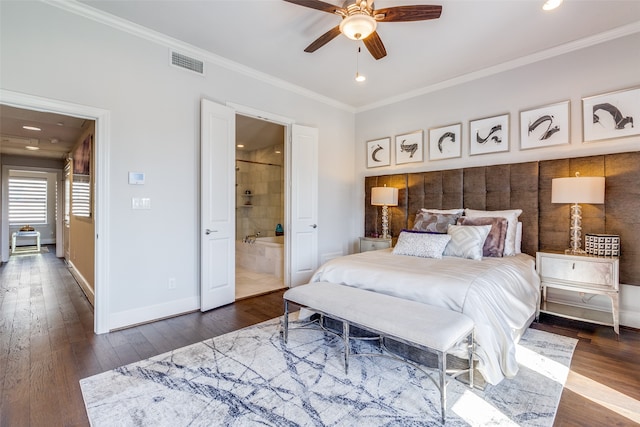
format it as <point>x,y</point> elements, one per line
<point>100,203</point>
<point>43,208</point>
<point>260,206</point>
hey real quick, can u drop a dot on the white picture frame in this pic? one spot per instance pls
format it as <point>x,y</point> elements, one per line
<point>545,126</point>
<point>379,152</point>
<point>445,142</point>
<point>489,135</point>
<point>611,115</point>
<point>409,147</point>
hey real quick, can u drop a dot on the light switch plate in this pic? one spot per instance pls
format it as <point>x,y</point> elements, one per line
<point>140,203</point>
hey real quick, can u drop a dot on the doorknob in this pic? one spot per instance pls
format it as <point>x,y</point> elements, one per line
<point>210,231</point>
<point>314,226</point>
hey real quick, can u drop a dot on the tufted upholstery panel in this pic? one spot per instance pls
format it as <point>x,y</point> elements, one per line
<point>527,186</point>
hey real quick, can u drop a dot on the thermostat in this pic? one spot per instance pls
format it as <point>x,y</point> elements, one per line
<point>136,178</point>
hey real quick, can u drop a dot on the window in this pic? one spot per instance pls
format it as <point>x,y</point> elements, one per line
<point>67,192</point>
<point>81,196</point>
<point>27,201</point>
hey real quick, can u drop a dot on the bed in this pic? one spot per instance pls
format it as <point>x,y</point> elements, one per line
<point>500,293</point>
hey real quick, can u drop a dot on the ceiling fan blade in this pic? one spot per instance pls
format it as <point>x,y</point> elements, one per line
<point>407,13</point>
<point>317,4</point>
<point>375,46</point>
<point>323,39</point>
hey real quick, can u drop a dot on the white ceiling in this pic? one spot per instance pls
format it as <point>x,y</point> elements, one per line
<point>55,139</point>
<point>266,38</point>
<point>471,38</point>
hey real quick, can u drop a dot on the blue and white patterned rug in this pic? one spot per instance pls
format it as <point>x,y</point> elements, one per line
<point>249,377</point>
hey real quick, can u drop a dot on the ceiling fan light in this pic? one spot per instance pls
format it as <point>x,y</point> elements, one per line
<point>358,27</point>
<point>551,4</point>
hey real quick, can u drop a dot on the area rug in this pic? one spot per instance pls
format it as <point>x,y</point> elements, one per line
<point>250,377</point>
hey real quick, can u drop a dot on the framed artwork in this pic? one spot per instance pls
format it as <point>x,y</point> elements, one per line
<point>379,153</point>
<point>544,126</point>
<point>490,135</point>
<point>445,142</point>
<point>409,147</point>
<point>611,115</point>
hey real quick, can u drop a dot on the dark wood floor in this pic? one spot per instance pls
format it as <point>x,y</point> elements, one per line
<point>47,345</point>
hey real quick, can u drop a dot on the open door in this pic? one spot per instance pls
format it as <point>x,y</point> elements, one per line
<point>304,204</point>
<point>217,231</point>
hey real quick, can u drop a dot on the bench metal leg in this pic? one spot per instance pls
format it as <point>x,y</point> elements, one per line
<point>470,340</point>
<point>442,364</point>
<point>347,347</point>
<point>285,320</point>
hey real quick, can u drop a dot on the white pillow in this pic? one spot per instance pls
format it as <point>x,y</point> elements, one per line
<point>512,219</point>
<point>467,240</point>
<point>444,211</point>
<point>425,245</point>
<point>519,238</point>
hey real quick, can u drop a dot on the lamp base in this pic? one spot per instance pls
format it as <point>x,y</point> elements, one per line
<point>575,251</point>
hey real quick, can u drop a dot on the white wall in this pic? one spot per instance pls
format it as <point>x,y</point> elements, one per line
<point>598,69</point>
<point>154,116</point>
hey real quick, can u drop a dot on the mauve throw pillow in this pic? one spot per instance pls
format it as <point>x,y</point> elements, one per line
<point>494,245</point>
<point>434,222</point>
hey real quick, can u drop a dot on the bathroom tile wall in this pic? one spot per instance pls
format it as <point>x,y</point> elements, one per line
<point>264,208</point>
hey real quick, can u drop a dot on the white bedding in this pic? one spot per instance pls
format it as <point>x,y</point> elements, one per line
<point>499,294</point>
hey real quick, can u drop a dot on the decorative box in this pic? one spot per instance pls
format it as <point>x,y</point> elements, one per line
<point>602,244</point>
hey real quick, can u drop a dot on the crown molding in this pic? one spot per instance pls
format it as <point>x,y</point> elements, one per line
<point>606,36</point>
<point>113,21</point>
<point>97,15</point>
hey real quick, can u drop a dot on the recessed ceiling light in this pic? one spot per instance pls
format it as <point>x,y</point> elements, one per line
<point>32,147</point>
<point>551,4</point>
<point>31,128</point>
<point>240,145</point>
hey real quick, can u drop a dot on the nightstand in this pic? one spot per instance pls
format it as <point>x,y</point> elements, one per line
<point>374,243</point>
<point>584,274</point>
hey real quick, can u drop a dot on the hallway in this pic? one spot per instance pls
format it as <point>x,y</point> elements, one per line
<point>47,342</point>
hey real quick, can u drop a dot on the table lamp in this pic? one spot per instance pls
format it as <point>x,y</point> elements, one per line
<point>385,197</point>
<point>577,190</point>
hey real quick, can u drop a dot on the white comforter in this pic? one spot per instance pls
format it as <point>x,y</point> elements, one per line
<point>499,294</point>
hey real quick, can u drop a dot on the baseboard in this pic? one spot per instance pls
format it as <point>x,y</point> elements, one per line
<point>129,318</point>
<point>83,283</point>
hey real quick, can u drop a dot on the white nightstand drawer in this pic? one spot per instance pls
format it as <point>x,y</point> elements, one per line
<point>373,244</point>
<point>596,272</point>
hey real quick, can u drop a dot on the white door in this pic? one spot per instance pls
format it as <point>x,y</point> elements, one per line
<point>304,204</point>
<point>217,231</point>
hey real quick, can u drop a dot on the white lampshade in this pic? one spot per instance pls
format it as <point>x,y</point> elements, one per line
<point>578,190</point>
<point>381,196</point>
<point>358,27</point>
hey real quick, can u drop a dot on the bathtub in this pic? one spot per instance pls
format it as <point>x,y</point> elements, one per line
<point>265,255</point>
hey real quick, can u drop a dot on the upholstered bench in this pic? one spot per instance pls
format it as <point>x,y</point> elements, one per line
<point>427,327</point>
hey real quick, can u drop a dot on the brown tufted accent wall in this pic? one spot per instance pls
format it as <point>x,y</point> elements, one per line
<point>527,186</point>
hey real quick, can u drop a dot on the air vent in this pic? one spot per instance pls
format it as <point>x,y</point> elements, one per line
<point>186,62</point>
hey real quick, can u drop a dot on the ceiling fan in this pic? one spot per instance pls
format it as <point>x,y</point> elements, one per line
<point>360,19</point>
